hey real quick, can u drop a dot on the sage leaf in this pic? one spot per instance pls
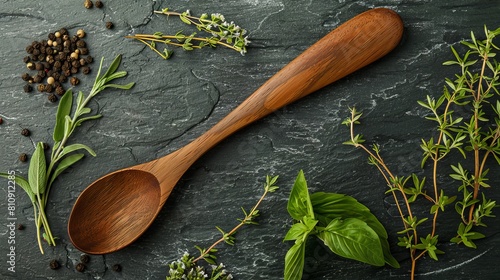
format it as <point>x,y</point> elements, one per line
<point>23,183</point>
<point>75,147</point>
<point>353,239</point>
<point>37,172</point>
<point>63,110</point>
<point>294,261</point>
<point>114,65</point>
<point>64,164</point>
<point>299,203</point>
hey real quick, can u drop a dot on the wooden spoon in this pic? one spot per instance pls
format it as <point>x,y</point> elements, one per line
<point>116,209</point>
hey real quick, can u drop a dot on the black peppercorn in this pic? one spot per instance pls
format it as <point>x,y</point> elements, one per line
<point>89,59</point>
<point>63,79</point>
<point>85,70</point>
<point>67,72</point>
<point>36,52</point>
<point>80,267</point>
<point>26,77</point>
<point>46,146</point>
<point>1,121</point>
<point>76,63</point>
<point>26,59</point>
<point>109,25</point>
<point>51,36</point>
<point>54,264</point>
<point>20,227</point>
<point>41,87</point>
<point>49,88</point>
<point>80,44</point>
<point>52,98</point>
<point>84,51</point>
<point>23,157</point>
<point>63,31</point>
<point>28,88</point>
<point>117,268</point>
<point>99,4</point>
<point>30,65</point>
<point>37,79</point>
<point>60,90</point>
<point>25,132</point>
<point>74,81</point>
<point>74,70</point>
<point>84,258</point>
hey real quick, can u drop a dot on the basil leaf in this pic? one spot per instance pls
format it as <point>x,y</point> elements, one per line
<point>294,261</point>
<point>23,183</point>
<point>329,206</point>
<point>63,110</point>
<point>353,239</point>
<point>299,203</point>
<point>389,259</point>
<point>75,147</point>
<point>64,164</point>
<point>299,231</point>
<point>37,172</point>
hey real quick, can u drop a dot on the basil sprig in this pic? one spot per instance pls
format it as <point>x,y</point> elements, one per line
<point>346,226</point>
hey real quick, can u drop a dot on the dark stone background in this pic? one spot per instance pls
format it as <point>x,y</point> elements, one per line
<point>175,101</point>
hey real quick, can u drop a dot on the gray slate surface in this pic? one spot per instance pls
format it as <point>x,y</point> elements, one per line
<point>175,101</point>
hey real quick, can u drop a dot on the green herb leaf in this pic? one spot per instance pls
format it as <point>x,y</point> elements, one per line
<point>127,86</point>
<point>23,183</point>
<point>354,239</point>
<point>114,65</point>
<point>64,164</point>
<point>80,120</point>
<point>294,261</point>
<point>37,172</point>
<point>299,203</point>
<point>75,147</point>
<point>63,110</point>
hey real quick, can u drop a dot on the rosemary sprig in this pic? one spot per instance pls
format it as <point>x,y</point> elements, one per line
<point>42,176</point>
<point>220,32</point>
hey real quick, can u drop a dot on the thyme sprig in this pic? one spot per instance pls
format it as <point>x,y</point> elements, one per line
<point>474,135</point>
<point>220,32</point>
<point>42,176</point>
<point>187,268</point>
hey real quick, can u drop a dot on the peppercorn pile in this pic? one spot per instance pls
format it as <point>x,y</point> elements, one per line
<point>57,60</point>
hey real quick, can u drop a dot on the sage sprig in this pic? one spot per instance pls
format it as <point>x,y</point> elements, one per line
<point>467,117</point>
<point>346,226</point>
<point>218,31</point>
<point>187,266</point>
<point>41,175</point>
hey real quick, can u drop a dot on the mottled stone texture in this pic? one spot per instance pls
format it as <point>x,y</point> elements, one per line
<point>175,101</point>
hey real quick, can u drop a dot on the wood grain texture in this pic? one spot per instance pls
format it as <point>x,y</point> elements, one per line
<point>116,209</point>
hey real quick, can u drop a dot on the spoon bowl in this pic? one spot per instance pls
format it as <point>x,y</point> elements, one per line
<point>116,209</point>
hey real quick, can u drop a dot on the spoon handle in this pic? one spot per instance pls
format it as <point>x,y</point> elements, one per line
<point>353,45</point>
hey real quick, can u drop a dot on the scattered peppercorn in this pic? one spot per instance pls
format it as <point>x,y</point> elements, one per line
<point>85,70</point>
<point>88,4</point>
<point>80,33</point>
<point>54,264</point>
<point>84,258</point>
<point>25,132</point>
<point>60,90</point>
<point>28,88</point>
<point>117,267</point>
<point>80,267</point>
<point>52,98</point>
<point>1,121</point>
<point>98,4</point>
<point>26,77</point>
<point>41,87</point>
<point>20,227</point>
<point>109,25</point>
<point>74,81</point>
<point>23,157</point>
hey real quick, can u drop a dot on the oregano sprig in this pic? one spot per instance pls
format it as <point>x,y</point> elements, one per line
<point>218,32</point>
<point>41,175</point>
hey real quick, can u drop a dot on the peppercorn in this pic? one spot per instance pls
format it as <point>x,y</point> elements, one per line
<point>23,157</point>
<point>80,44</point>
<point>76,63</point>
<point>63,79</point>
<point>89,59</point>
<point>84,51</point>
<point>36,52</point>
<point>45,146</point>
<point>26,59</point>
<point>84,258</point>
<point>28,88</point>
<point>85,70</point>
<point>54,264</point>
<point>74,81</point>
<point>109,25</point>
<point>63,31</point>
<point>80,33</point>
<point>88,4</point>
<point>51,80</point>
<point>49,88</point>
<point>25,132</point>
<point>1,121</point>
<point>41,87</point>
<point>98,4</point>
<point>74,70</point>
<point>30,66</point>
<point>26,77</point>
<point>52,98</point>
<point>117,268</point>
<point>20,227</point>
<point>80,267</point>
<point>67,73</point>
<point>41,57</point>
<point>60,90</point>
<point>42,74</point>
